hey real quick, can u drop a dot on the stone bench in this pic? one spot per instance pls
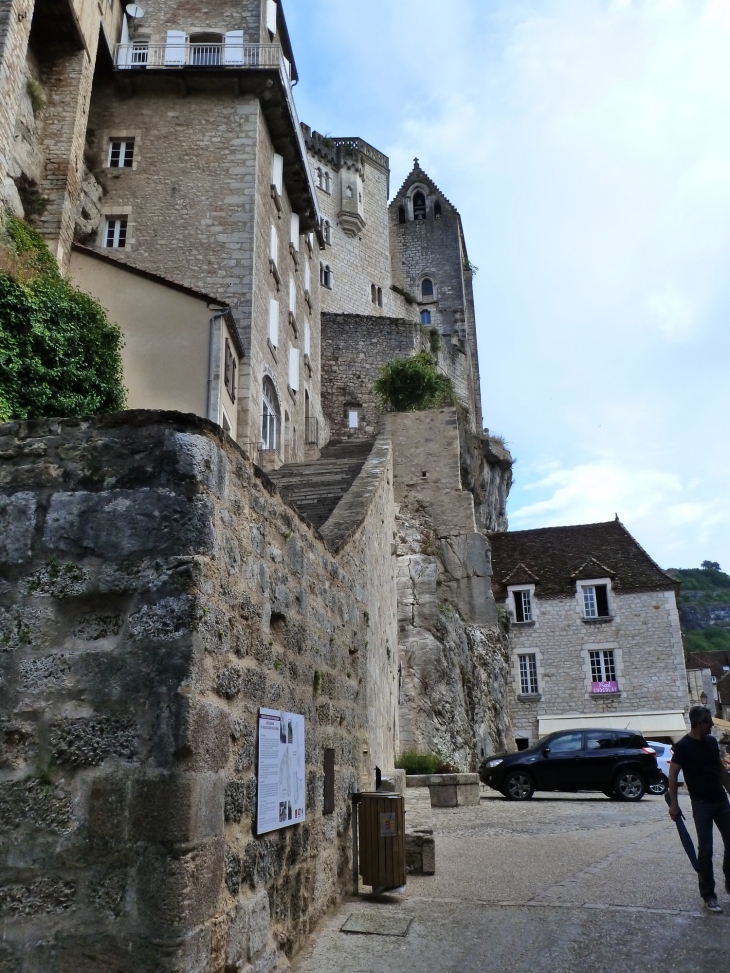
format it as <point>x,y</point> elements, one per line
<point>448,790</point>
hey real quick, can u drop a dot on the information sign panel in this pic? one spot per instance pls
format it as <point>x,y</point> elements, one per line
<point>280,791</point>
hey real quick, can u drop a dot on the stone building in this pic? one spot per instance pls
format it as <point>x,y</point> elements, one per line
<point>594,634</point>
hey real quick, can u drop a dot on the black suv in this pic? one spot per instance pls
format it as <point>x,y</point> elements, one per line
<point>618,762</point>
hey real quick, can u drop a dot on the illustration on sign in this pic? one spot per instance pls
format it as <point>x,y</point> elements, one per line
<point>604,687</point>
<point>280,781</point>
<point>387,824</point>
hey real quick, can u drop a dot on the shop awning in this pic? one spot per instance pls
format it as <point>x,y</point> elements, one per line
<point>649,724</point>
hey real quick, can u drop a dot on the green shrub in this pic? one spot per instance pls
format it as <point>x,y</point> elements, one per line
<point>413,384</point>
<point>59,353</point>
<point>36,94</point>
<point>423,762</point>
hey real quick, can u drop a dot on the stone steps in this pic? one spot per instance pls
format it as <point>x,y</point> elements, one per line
<point>315,488</point>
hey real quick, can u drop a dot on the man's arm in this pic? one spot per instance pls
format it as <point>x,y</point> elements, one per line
<point>675,812</point>
<point>724,776</point>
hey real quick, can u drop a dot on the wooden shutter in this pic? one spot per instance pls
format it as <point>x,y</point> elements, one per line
<point>233,47</point>
<point>294,369</point>
<point>274,322</point>
<point>292,296</point>
<point>274,245</point>
<point>307,277</point>
<point>175,47</point>
<point>277,173</point>
<point>271,16</point>
<point>295,230</point>
<point>307,339</point>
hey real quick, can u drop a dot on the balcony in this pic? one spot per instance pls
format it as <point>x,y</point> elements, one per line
<point>141,55</point>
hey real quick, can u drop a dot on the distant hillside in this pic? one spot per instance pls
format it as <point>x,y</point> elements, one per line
<point>704,607</point>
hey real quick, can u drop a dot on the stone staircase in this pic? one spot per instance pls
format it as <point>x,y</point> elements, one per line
<point>314,489</point>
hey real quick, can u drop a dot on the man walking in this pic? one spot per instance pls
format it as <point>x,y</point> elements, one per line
<point>707,780</point>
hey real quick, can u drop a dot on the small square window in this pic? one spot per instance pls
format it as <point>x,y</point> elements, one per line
<point>353,419</point>
<point>116,232</point>
<point>121,153</point>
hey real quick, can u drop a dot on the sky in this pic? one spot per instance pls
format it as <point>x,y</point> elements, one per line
<point>586,144</point>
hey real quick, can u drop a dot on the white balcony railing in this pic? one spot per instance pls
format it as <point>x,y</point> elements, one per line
<point>140,55</point>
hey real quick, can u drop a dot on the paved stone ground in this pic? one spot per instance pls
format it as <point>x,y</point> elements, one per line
<point>562,884</point>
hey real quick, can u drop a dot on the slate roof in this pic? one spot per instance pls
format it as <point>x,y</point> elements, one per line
<point>723,689</point>
<point>714,661</point>
<point>553,558</point>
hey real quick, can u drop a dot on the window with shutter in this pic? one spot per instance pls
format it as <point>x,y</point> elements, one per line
<point>295,230</point>
<point>277,173</point>
<point>233,47</point>
<point>229,371</point>
<point>271,17</point>
<point>307,277</point>
<point>175,47</point>
<point>292,296</point>
<point>274,245</point>
<point>307,339</point>
<point>274,322</point>
<point>294,369</point>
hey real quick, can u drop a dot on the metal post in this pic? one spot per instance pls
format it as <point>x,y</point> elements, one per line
<point>355,849</point>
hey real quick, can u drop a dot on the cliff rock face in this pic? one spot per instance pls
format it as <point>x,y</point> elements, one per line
<point>454,662</point>
<point>486,471</point>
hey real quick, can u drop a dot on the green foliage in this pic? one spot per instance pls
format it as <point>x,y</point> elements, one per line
<point>712,639</point>
<point>708,580</point>
<point>434,340</point>
<point>413,384</point>
<point>36,94</point>
<point>423,762</point>
<point>59,353</point>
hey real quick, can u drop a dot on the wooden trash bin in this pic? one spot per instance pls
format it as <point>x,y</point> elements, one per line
<point>382,833</point>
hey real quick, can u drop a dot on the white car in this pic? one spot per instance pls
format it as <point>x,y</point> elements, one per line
<point>664,753</point>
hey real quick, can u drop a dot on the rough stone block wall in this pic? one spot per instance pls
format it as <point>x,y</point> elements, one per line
<point>154,591</point>
<point>14,33</point>
<point>645,636</point>
<point>454,657</point>
<point>354,349</point>
<point>218,16</point>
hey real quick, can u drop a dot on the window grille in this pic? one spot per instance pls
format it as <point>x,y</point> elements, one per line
<point>116,232</point>
<point>121,153</point>
<point>528,675</point>
<point>603,666</point>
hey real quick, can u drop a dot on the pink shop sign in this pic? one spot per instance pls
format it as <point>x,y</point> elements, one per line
<point>604,687</point>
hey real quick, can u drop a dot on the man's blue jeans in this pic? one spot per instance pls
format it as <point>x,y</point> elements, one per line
<point>705,814</point>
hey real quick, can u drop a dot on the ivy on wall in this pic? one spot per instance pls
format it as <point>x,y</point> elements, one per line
<point>59,353</point>
<point>413,384</point>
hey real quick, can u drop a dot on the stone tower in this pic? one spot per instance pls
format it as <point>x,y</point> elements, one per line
<point>431,264</point>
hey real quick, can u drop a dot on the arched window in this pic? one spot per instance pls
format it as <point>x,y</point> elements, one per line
<point>373,293</point>
<point>320,181</point>
<point>327,231</point>
<point>205,49</point>
<point>437,211</point>
<point>401,214</point>
<point>325,275</point>
<point>426,288</point>
<point>270,417</point>
<point>419,206</point>
<point>425,317</point>
<point>327,182</point>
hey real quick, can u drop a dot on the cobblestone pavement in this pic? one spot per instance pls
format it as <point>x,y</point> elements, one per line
<point>562,884</point>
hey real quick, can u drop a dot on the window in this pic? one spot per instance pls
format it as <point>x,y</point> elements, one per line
<point>307,277</point>
<point>327,182</point>
<point>270,418</point>
<point>140,54</point>
<point>294,369</point>
<point>229,372</point>
<point>121,153</point>
<point>271,12</point>
<point>380,297</point>
<point>274,245</point>
<point>419,206</point>
<point>327,231</point>
<point>274,322</point>
<point>600,740</point>
<point>294,239</point>
<point>116,232</point>
<point>205,49</point>
<point>307,339</point>
<point>320,179</point>
<point>426,288</point>
<point>595,601</point>
<point>401,214</point>
<point>373,293</point>
<point>325,275</point>
<point>566,743</point>
<point>292,296</point>
<point>603,667</point>
<point>528,675</point>
<point>353,419</point>
<point>277,173</point>
<point>523,605</point>
<point>437,211</point>
<point>425,317</point>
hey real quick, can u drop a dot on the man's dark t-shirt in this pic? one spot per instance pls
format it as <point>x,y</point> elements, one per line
<point>700,763</point>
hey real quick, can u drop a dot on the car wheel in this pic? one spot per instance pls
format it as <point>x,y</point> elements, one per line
<point>629,785</point>
<point>660,787</point>
<point>518,786</point>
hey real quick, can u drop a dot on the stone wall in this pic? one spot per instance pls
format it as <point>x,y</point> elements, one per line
<point>454,658</point>
<point>644,635</point>
<point>14,33</point>
<point>154,592</point>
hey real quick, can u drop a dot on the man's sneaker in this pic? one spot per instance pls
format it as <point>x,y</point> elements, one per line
<point>711,904</point>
